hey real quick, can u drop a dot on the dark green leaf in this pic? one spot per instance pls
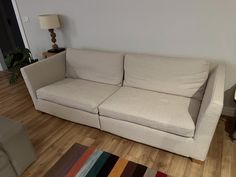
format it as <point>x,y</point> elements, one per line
<point>13,78</point>
<point>16,59</point>
<point>8,60</point>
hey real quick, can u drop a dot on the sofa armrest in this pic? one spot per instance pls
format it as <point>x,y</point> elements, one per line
<point>43,73</point>
<point>209,113</point>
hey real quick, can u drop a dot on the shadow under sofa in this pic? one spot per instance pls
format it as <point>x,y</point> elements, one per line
<point>169,103</point>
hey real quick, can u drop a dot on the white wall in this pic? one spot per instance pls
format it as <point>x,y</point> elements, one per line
<point>1,69</point>
<point>191,28</point>
<point>3,66</point>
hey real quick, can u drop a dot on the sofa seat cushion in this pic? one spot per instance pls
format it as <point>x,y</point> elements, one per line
<point>77,93</point>
<point>165,112</point>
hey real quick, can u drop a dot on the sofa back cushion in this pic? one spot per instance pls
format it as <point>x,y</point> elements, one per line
<point>103,67</point>
<point>184,77</point>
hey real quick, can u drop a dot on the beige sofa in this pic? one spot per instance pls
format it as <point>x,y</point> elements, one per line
<point>169,103</point>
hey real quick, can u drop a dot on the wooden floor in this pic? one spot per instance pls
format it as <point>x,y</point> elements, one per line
<point>52,137</point>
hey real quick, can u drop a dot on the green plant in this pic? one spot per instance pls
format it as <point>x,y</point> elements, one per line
<point>17,59</point>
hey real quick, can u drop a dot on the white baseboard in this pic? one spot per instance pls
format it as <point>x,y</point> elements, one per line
<point>229,111</point>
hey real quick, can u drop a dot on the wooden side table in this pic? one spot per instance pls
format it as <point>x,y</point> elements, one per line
<point>47,54</point>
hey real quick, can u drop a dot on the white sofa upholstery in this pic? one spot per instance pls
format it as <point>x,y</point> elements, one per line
<point>77,93</point>
<point>160,111</point>
<point>184,77</point>
<point>103,67</point>
<point>169,103</point>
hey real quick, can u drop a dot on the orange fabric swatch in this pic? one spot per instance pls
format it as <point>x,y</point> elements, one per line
<point>77,166</point>
<point>118,168</point>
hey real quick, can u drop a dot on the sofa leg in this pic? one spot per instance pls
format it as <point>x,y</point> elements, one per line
<point>197,161</point>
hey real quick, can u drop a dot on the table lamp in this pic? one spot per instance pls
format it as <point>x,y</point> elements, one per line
<point>50,22</point>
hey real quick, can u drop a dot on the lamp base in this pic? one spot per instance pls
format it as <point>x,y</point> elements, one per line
<point>56,50</point>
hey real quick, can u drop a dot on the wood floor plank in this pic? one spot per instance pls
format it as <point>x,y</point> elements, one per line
<point>163,161</point>
<point>193,169</point>
<point>178,166</point>
<point>233,169</point>
<point>212,165</point>
<point>52,137</point>
<point>227,155</point>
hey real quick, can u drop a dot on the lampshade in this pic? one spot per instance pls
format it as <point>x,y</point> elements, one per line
<point>49,21</point>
